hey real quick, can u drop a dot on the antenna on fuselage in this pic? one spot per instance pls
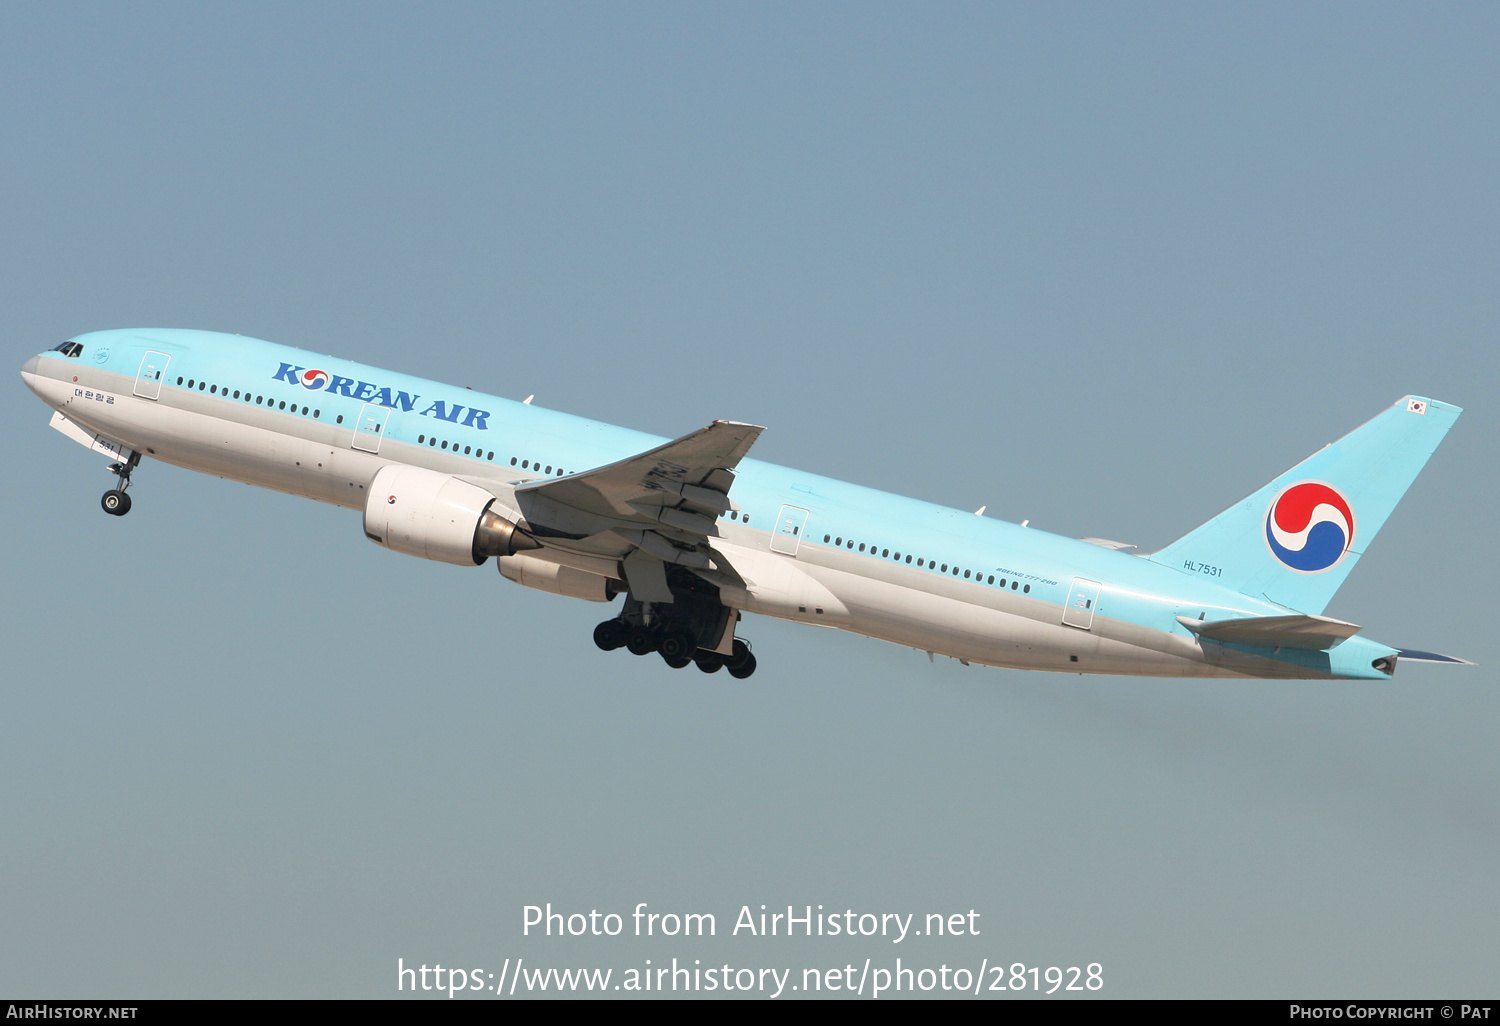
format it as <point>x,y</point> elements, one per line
<point>980,511</point>
<point>527,400</point>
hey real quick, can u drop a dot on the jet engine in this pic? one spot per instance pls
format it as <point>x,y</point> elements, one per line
<point>545,575</point>
<point>437,516</point>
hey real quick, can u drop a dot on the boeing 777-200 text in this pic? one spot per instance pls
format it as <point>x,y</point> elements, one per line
<point>692,532</point>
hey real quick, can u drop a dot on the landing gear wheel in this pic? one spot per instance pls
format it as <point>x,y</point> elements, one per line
<point>642,641</point>
<point>610,635</point>
<point>115,502</point>
<point>743,670</point>
<point>675,662</point>
<point>739,656</point>
<point>708,662</point>
<point>678,645</point>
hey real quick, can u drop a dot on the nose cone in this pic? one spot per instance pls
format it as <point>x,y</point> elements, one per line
<point>29,371</point>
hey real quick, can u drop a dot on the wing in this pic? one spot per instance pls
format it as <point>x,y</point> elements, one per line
<point>664,502</point>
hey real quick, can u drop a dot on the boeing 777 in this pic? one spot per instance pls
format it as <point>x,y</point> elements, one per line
<point>691,532</point>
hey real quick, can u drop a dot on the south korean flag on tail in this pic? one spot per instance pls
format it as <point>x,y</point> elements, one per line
<point>1416,406</point>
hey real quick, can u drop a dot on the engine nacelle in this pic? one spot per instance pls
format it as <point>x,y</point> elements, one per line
<point>545,575</point>
<point>437,516</point>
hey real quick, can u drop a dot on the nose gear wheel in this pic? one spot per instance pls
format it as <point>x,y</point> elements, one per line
<point>116,502</point>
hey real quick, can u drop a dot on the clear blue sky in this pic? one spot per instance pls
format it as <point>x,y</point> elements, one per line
<point>1104,267</point>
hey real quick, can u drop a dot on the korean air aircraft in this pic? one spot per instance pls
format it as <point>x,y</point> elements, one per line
<point>692,532</point>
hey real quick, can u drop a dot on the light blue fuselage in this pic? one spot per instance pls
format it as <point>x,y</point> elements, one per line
<point>985,591</point>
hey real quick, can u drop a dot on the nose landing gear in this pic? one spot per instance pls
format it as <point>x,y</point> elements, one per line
<point>116,502</point>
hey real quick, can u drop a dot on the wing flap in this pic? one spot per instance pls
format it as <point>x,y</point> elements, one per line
<point>686,470</point>
<point>665,501</point>
<point>1299,631</point>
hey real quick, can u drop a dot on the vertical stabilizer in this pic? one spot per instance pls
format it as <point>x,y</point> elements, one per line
<point>1295,540</point>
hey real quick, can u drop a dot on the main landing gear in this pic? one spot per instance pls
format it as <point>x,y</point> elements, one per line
<point>677,648</point>
<point>689,629</point>
<point>116,502</point>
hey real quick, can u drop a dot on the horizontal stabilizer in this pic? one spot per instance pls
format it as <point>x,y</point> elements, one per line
<point>1412,655</point>
<point>1301,631</point>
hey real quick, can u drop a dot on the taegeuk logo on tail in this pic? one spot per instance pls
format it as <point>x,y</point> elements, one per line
<point>1309,527</point>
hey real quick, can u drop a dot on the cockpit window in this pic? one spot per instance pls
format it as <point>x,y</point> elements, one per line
<point>70,349</point>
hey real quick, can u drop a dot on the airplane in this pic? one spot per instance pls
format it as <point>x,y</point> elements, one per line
<point>692,533</point>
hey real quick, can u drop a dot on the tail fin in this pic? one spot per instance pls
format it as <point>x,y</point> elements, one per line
<point>1296,539</point>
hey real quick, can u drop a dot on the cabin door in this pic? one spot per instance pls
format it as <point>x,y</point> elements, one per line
<point>370,427</point>
<point>1083,597</point>
<point>787,534</point>
<point>148,378</point>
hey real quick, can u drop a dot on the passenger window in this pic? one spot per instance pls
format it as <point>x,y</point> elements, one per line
<point>549,469</point>
<point>992,579</point>
<point>908,558</point>
<point>525,464</point>
<point>966,575</point>
<point>1028,589</point>
<point>861,546</point>
<point>466,450</point>
<point>1013,586</point>
<point>340,420</point>
<point>200,386</point>
<point>190,382</point>
<point>491,457</point>
<point>884,553</point>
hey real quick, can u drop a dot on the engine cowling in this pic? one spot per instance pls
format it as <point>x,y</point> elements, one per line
<point>436,516</point>
<point>545,575</point>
